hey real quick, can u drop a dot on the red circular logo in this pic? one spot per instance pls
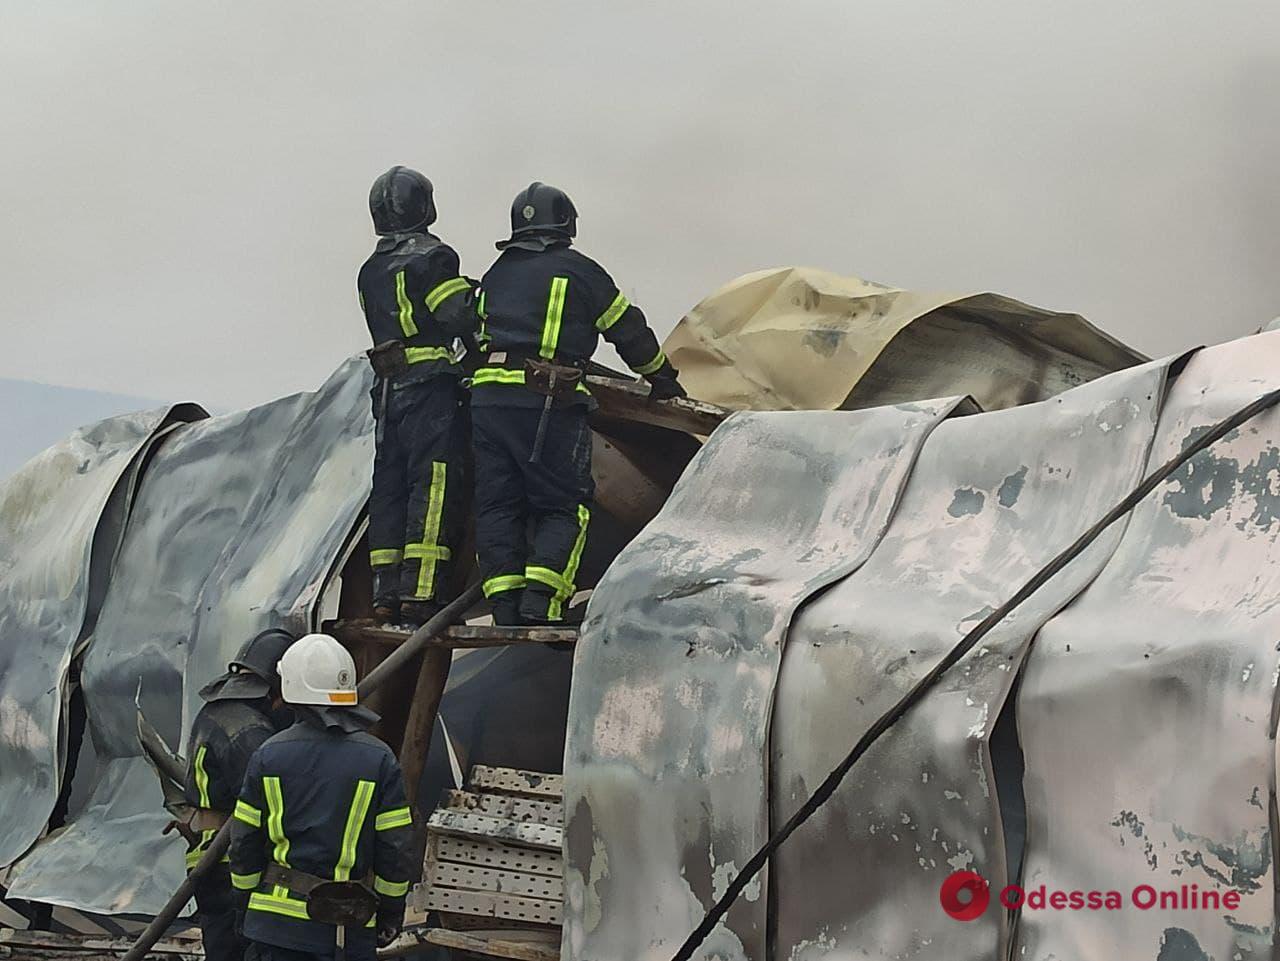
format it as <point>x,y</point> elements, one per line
<point>965,895</point>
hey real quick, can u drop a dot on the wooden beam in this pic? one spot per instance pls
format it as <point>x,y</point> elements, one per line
<point>32,944</point>
<point>628,400</point>
<point>456,637</point>
<point>516,945</point>
<point>432,678</point>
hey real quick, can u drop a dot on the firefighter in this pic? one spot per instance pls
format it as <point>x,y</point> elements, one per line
<point>321,846</point>
<point>417,306</point>
<point>542,309</point>
<point>238,716</point>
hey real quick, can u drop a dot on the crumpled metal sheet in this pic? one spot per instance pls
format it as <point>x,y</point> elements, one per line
<point>238,523</point>
<point>676,666</point>
<point>61,519</point>
<point>798,338</point>
<point>991,500</point>
<point>1148,710</point>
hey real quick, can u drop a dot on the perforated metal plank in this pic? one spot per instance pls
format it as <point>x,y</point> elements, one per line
<point>471,877</point>
<point>470,851</point>
<point>493,905</point>
<point>465,824</point>
<point>511,781</point>
<point>505,806</point>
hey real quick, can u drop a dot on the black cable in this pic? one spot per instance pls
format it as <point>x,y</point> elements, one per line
<point>966,644</point>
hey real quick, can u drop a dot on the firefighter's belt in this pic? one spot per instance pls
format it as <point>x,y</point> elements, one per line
<point>206,819</point>
<point>551,380</point>
<point>328,901</point>
<point>388,359</point>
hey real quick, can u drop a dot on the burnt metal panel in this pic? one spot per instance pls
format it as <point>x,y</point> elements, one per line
<point>61,519</point>
<point>665,763</point>
<point>991,500</point>
<point>237,526</point>
<point>1147,710</point>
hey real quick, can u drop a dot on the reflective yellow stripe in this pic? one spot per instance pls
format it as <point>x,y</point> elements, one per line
<point>275,820</point>
<point>653,365</point>
<point>613,313</point>
<point>575,559</point>
<point>551,325</point>
<point>279,904</point>
<point>480,308</point>
<point>406,307</point>
<point>497,375</point>
<point>384,556</point>
<point>245,882</point>
<point>503,582</point>
<point>395,818</point>
<point>416,355</point>
<point>563,583</point>
<point>360,294</point>
<point>430,533</point>
<point>500,375</point>
<point>482,337</point>
<point>434,551</point>
<point>202,777</point>
<point>544,575</point>
<point>351,835</point>
<point>249,814</point>
<point>194,855</point>
<point>442,292</point>
<point>391,889</point>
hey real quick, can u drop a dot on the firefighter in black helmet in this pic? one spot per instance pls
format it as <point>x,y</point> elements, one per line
<point>417,306</point>
<point>543,307</point>
<point>239,715</point>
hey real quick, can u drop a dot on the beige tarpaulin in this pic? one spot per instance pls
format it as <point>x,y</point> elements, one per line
<point>798,338</point>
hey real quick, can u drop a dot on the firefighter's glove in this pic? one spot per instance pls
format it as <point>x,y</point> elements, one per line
<point>666,388</point>
<point>388,931</point>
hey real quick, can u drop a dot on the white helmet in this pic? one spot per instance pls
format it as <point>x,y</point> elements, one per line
<point>316,669</point>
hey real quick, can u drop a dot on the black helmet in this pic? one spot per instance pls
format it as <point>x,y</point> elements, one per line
<point>252,673</point>
<point>402,201</point>
<point>260,655</point>
<point>542,210</point>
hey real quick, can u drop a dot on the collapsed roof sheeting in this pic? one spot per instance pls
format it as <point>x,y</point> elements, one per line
<point>669,709</point>
<point>1146,718</point>
<point>241,522</point>
<point>991,500</point>
<point>1148,710</point>
<point>235,529</point>
<point>798,338</point>
<point>61,519</point>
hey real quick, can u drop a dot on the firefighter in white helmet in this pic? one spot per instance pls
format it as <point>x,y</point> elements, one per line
<point>321,848</point>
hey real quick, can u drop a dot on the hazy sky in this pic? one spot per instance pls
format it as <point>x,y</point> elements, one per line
<point>183,186</point>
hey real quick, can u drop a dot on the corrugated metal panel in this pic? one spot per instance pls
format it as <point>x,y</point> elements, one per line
<point>1148,709</point>
<point>667,743</point>
<point>236,527</point>
<point>991,500</point>
<point>1147,715</point>
<point>61,520</point>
